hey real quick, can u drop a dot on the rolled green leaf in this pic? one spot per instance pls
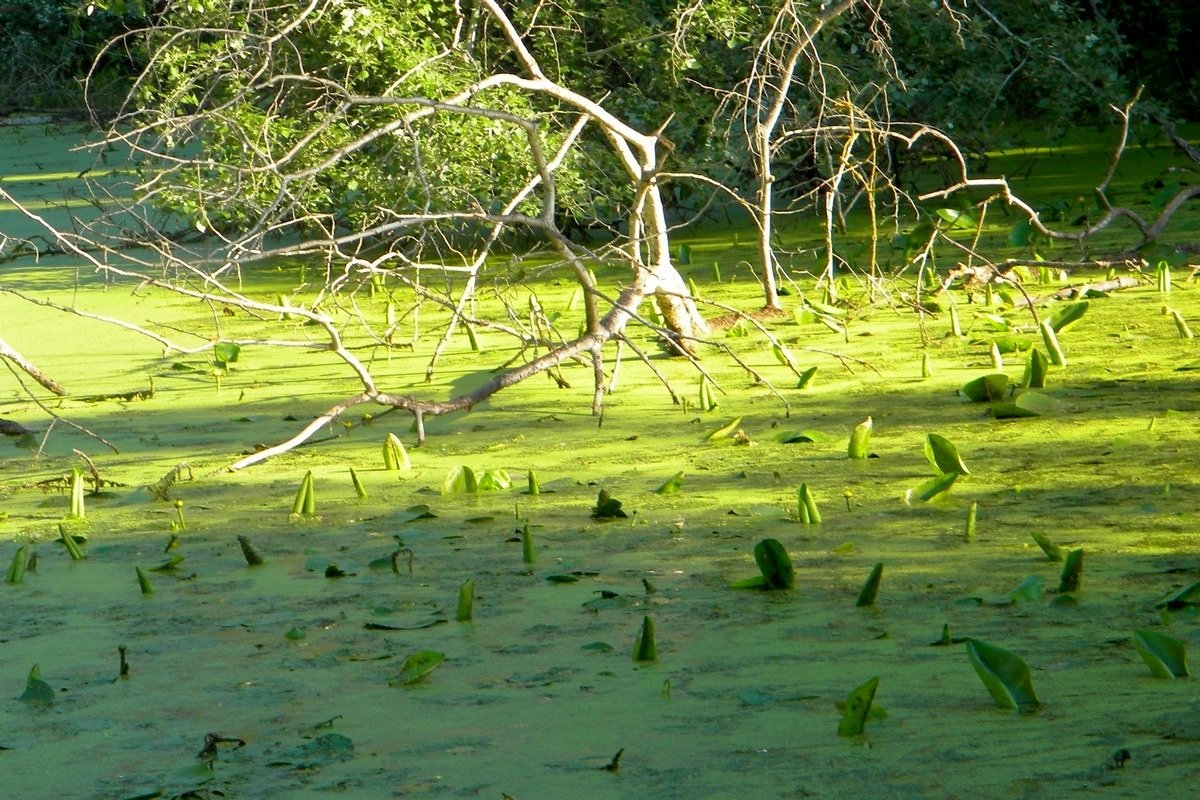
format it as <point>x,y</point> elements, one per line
<point>1053,348</point>
<point>987,388</point>
<point>1052,551</point>
<point>528,555</point>
<point>466,601</point>
<point>1036,367</point>
<point>807,505</point>
<point>16,570</point>
<point>1181,325</point>
<point>310,497</point>
<point>870,589</point>
<point>534,487</point>
<point>955,325</point>
<point>724,431</point>
<point>806,378</point>
<point>860,439</point>
<point>1072,572</point>
<point>1067,315</point>
<point>1004,674</point>
<point>672,485</point>
<point>359,489</point>
<point>417,667</point>
<point>144,581</point>
<point>69,542</point>
<point>969,528</point>
<point>644,647</point>
<point>858,706</point>
<point>775,565</point>
<point>1164,655</point>
<point>250,552</point>
<point>77,507</point>
<point>932,488</point>
<point>943,455</point>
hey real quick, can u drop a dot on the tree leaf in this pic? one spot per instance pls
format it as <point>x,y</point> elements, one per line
<point>417,667</point>
<point>958,220</point>
<point>986,388</point>
<point>806,378</point>
<point>672,485</point>
<point>943,455</point>
<point>858,706</point>
<point>860,439</point>
<point>724,431</point>
<point>931,488</point>
<point>1004,674</point>
<point>775,565</point>
<point>1164,655</point>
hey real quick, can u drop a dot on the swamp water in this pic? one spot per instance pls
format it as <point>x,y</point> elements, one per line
<point>539,691</point>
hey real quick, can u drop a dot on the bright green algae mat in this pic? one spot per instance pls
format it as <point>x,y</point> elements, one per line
<point>539,691</point>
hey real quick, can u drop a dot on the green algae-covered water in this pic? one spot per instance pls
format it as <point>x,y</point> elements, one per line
<point>302,671</point>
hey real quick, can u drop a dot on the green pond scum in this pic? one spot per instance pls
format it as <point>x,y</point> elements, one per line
<point>255,675</point>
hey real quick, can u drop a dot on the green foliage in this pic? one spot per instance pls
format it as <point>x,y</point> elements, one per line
<point>1004,674</point>
<point>858,708</point>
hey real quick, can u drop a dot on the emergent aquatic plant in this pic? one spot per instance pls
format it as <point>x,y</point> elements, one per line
<point>775,566</point>
<point>1004,674</point>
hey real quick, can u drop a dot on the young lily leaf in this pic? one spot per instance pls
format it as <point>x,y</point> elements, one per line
<point>806,378</point>
<point>757,582</point>
<point>672,485</point>
<point>943,455</point>
<point>36,689</point>
<point>803,437</point>
<point>931,488</point>
<point>1004,674</point>
<point>417,667</point>
<point>466,601</point>
<point>860,439</point>
<point>1164,655</point>
<point>724,431</point>
<point>1025,404</point>
<point>1052,551</point>
<point>1072,572</point>
<point>1029,590</point>
<point>226,353</point>
<point>644,646</point>
<point>708,399</point>
<point>986,388</point>
<point>775,564</point>
<point>608,507</point>
<point>858,707</point>
<point>1036,367</point>
<point>807,506</point>
<point>492,480</point>
<point>870,589</point>
<point>1054,350</point>
<point>460,480</point>
<point>16,570</point>
<point>1067,315</point>
<point>1187,596</point>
